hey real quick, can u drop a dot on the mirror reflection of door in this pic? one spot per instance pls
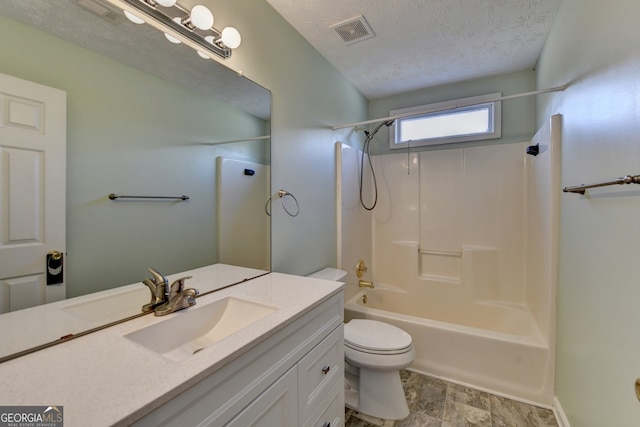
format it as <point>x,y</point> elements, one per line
<point>32,192</point>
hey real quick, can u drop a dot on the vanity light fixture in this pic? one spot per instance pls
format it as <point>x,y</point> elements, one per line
<point>133,18</point>
<point>194,25</point>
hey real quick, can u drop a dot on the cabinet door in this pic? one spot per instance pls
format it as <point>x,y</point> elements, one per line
<point>330,412</point>
<point>277,406</point>
<point>319,370</point>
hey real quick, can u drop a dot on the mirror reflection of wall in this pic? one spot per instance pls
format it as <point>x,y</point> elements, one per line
<point>132,133</point>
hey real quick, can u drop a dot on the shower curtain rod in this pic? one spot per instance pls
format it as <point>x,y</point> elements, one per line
<point>464,104</point>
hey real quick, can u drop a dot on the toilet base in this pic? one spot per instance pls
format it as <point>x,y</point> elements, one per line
<point>378,393</point>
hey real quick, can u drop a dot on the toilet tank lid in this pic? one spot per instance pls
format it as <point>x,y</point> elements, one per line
<point>330,274</point>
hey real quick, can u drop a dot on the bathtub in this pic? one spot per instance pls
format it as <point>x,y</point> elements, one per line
<point>492,347</point>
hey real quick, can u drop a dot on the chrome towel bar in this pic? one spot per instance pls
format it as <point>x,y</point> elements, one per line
<point>113,196</point>
<point>627,179</point>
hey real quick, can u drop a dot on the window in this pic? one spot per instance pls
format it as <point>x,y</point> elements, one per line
<point>446,123</point>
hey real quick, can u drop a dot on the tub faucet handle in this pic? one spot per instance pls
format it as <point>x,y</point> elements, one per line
<point>361,268</point>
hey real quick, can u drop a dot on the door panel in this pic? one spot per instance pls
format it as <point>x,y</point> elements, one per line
<point>23,292</point>
<point>32,190</point>
<point>24,189</point>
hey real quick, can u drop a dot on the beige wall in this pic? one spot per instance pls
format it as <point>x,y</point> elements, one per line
<point>517,115</point>
<point>308,97</point>
<point>594,47</point>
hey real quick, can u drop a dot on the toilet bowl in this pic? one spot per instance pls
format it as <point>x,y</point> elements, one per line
<point>374,354</point>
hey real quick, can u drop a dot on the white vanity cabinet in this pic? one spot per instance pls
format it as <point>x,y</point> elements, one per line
<point>276,406</point>
<point>294,377</point>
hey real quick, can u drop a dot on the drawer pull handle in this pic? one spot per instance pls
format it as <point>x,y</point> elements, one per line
<point>325,371</point>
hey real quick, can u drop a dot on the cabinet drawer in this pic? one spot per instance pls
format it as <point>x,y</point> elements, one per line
<point>330,412</point>
<point>319,370</point>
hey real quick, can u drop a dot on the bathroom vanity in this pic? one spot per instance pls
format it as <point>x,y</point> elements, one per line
<point>268,351</point>
<point>32,327</point>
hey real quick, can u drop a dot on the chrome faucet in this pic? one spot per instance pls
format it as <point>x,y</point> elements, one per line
<point>159,287</point>
<point>178,298</point>
<point>166,299</point>
<point>365,284</point>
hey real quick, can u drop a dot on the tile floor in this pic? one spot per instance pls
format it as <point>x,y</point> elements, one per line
<point>437,403</point>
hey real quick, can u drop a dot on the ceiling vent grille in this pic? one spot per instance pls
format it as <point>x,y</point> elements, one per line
<point>103,11</point>
<point>353,30</point>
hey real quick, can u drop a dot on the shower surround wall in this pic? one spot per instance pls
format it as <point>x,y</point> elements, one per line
<point>446,203</point>
<point>464,239</point>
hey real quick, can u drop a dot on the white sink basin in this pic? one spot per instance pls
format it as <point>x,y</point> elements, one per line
<point>112,307</point>
<point>196,328</point>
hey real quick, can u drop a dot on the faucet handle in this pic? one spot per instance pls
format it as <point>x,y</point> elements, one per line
<point>183,299</point>
<point>157,295</point>
<point>190,296</point>
<point>178,286</point>
<point>157,276</point>
<point>150,285</point>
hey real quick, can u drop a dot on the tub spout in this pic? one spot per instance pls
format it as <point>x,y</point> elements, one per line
<point>365,284</point>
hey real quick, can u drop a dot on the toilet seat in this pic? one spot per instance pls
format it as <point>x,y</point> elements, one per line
<point>373,337</point>
<point>374,353</point>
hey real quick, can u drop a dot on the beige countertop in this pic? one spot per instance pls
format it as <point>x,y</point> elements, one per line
<point>104,378</point>
<point>23,329</point>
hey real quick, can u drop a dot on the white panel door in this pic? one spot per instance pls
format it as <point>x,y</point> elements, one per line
<point>33,125</point>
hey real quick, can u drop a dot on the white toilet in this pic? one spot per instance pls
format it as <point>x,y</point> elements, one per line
<point>374,354</point>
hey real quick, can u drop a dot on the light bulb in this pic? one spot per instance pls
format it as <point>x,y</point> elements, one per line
<point>133,18</point>
<point>231,37</point>
<point>166,3</point>
<point>170,37</point>
<point>201,17</point>
<point>202,54</point>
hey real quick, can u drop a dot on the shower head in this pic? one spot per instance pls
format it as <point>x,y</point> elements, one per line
<point>389,122</point>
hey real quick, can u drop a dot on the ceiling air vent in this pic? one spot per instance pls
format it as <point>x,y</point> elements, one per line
<point>353,30</point>
<point>103,11</point>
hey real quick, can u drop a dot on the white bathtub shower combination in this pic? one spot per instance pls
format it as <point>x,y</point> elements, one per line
<point>504,352</point>
<point>461,250</point>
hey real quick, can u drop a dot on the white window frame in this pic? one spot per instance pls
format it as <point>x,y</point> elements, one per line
<point>453,106</point>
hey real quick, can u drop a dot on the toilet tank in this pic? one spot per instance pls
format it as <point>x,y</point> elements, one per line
<point>330,274</point>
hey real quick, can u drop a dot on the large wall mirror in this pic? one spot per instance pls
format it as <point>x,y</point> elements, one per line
<point>143,117</point>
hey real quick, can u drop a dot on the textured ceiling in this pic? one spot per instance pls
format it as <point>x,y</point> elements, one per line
<point>142,47</point>
<point>422,43</point>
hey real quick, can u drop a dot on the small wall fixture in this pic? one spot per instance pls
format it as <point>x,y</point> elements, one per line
<point>533,150</point>
<point>193,26</point>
